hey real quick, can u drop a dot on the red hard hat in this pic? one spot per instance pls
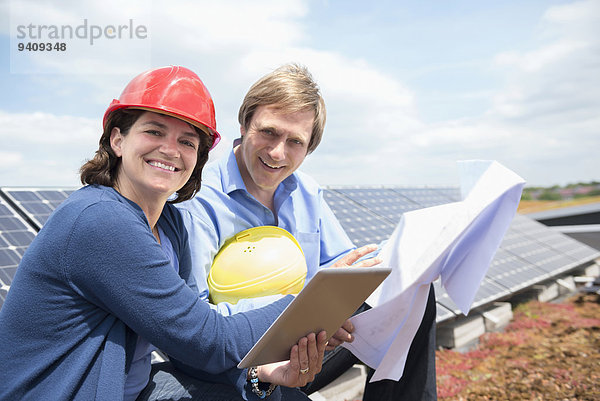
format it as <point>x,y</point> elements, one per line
<point>174,91</point>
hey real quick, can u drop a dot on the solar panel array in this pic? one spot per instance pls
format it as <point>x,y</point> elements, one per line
<point>15,236</point>
<point>37,204</point>
<point>530,252</point>
<point>363,225</point>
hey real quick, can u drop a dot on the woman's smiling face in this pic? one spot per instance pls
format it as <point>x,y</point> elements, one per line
<point>158,156</point>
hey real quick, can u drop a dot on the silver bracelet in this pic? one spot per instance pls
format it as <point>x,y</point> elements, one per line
<point>254,381</point>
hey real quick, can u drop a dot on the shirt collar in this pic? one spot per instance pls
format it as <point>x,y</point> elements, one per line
<point>231,179</point>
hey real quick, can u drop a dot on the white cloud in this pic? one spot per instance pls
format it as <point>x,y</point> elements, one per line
<point>536,60</point>
<point>213,26</point>
<point>551,98</point>
<point>359,98</point>
<point>577,17</point>
<point>365,106</point>
<point>9,159</point>
<point>45,149</point>
<point>542,123</point>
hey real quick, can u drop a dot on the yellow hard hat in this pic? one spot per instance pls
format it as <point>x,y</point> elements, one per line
<point>257,262</point>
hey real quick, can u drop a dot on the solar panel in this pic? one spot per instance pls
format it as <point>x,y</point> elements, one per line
<point>37,203</point>
<point>452,193</point>
<point>513,272</point>
<point>541,256</point>
<point>529,253</point>
<point>426,197</point>
<point>576,250</point>
<point>362,226</point>
<point>443,313</point>
<point>551,251</point>
<point>442,298</point>
<point>380,201</point>
<point>15,237</point>
<point>489,291</point>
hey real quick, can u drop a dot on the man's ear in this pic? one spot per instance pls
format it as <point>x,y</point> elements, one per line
<point>242,130</point>
<point>116,139</point>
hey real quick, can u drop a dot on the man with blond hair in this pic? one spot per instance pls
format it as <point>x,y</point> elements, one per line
<point>282,119</point>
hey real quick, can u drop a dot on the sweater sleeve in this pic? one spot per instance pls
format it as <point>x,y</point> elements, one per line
<point>112,260</point>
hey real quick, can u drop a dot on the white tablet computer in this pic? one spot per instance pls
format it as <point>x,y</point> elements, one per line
<point>331,297</point>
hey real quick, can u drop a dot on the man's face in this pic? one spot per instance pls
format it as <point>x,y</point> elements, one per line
<point>273,147</point>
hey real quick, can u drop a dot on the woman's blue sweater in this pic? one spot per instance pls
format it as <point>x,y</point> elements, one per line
<point>94,278</point>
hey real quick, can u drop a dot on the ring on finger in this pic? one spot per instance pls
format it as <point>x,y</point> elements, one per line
<point>304,371</point>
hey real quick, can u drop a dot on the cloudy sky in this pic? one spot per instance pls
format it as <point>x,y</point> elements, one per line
<point>410,87</point>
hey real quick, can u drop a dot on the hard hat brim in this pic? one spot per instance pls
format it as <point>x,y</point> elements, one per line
<point>116,105</point>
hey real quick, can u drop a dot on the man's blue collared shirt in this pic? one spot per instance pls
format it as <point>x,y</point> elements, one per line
<point>223,208</point>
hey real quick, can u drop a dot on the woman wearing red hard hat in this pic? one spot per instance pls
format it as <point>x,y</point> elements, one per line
<point>107,279</point>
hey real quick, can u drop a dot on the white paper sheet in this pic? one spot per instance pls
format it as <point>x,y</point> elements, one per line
<point>457,241</point>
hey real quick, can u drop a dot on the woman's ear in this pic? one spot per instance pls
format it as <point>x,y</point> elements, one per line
<point>116,139</point>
